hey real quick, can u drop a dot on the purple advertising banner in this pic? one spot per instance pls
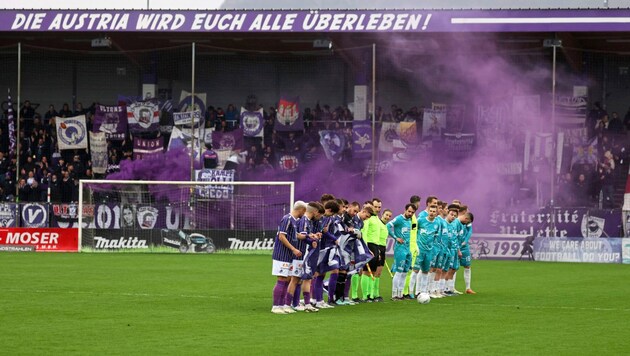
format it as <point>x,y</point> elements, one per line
<point>316,21</point>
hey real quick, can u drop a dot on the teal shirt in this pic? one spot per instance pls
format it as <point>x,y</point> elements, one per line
<point>427,233</point>
<point>443,240</point>
<point>463,243</point>
<point>423,214</point>
<point>458,228</point>
<point>400,228</point>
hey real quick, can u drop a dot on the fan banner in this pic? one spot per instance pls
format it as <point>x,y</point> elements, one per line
<point>228,140</point>
<point>111,120</point>
<point>71,133</point>
<point>186,102</point>
<point>187,118</point>
<point>8,215</point>
<point>252,122</point>
<point>143,148</point>
<point>98,152</point>
<point>333,142</point>
<point>214,191</point>
<point>288,116</point>
<point>143,116</point>
<point>570,249</point>
<point>361,139</point>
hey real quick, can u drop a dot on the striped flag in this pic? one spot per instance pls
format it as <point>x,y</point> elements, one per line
<point>11,119</point>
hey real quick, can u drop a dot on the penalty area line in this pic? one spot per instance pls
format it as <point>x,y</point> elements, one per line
<point>534,307</point>
<point>122,294</point>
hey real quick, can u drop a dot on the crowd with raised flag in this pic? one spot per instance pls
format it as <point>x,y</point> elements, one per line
<point>58,147</point>
<point>346,242</point>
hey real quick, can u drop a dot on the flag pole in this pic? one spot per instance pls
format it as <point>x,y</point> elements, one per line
<point>192,103</point>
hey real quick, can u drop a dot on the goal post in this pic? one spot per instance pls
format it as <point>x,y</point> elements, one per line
<point>184,217</point>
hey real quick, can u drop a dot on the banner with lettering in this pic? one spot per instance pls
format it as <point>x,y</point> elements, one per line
<point>187,118</point>
<point>111,120</point>
<point>288,115</point>
<point>71,133</point>
<point>214,191</point>
<point>64,215</point>
<point>143,148</point>
<point>571,249</point>
<point>567,222</point>
<point>143,116</point>
<point>458,144</point>
<point>252,122</point>
<point>361,139</point>
<point>98,152</point>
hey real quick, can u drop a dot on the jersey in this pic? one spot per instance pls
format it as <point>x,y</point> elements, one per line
<point>427,232</point>
<point>303,226</point>
<point>371,230</point>
<point>357,222</point>
<point>423,214</point>
<point>400,228</point>
<point>443,240</point>
<point>463,243</point>
<point>458,229</point>
<point>286,227</point>
<point>335,230</point>
<point>383,234</point>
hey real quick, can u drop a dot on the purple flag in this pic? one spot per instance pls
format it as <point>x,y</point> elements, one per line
<point>143,148</point>
<point>361,139</point>
<point>310,262</point>
<point>112,120</point>
<point>288,116</point>
<point>11,119</point>
<point>232,140</point>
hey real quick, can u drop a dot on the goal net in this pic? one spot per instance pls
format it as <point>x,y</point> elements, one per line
<point>183,217</point>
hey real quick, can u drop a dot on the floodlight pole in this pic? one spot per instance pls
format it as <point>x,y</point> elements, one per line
<point>17,118</point>
<point>192,105</point>
<point>373,168</point>
<point>554,43</point>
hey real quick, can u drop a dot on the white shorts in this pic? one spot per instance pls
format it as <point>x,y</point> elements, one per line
<point>281,269</point>
<point>298,268</point>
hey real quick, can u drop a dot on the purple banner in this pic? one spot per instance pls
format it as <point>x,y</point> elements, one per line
<point>112,120</point>
<point>228,140</point>
<point>8,215</point>
<point>252,122</point>
<point>319,21</point>
<point>143,148</point>
<point>361,139</point>
<point>288,116</point>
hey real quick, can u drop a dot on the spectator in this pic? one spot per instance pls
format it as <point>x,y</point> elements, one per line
<point>615,126</point>
<point>232,117</point>
<point>65,111</point>
<point>35,192</point>
<point>78,110</point>
<point>55,188</point>
<point>67,186</point>
<point>581,191</point>
<point>23,190</point>
<point>607,179</point>
<point>596,113</point>
<point>50,114</point>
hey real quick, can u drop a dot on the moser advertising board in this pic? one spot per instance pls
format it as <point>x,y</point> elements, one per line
<point>41,239</point>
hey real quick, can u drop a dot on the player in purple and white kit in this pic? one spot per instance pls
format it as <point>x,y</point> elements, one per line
<point>283,255</point>
<point>306,269</point>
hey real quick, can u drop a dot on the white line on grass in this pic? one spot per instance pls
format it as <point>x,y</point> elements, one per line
<point>534,307</point>
<point>123,294</point>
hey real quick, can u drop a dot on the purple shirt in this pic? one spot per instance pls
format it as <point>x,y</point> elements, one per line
<point>287,227</point>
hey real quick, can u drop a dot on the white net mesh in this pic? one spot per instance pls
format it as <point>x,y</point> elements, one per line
<point>181,216</point>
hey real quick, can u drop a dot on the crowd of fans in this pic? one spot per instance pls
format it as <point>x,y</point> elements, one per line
<point>42,166</point>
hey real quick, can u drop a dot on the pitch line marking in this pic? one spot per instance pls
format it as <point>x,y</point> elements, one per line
<point>536,307</point>
<point>46,291</point>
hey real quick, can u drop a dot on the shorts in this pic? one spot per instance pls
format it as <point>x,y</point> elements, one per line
<point>402,259</point>
<point>436,261</point>
<point>281,268</point>
<point>423,261</point>
<point>466,259</point>
<point>455,264</point>
<point>447,263</point>
<point>297,268</point>
<point>440,260</point>
<point>381,255</point>
<point>375,260</point>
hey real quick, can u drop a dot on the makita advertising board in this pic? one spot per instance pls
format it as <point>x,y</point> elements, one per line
<point>175,240</point>
<point>39,239</point>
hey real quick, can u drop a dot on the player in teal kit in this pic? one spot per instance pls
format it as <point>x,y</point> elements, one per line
<point>400,229</point>
<point>460,231</point>
<point>464,252</point>
<point>428,228</point>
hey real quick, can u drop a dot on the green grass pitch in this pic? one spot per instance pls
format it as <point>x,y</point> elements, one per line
<point>220,304</point>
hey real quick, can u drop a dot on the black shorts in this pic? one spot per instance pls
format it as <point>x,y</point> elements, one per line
<point>374,262</point>
<point>381,255</point>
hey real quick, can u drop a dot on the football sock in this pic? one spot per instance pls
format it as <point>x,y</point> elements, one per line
<point>467,277</point>
<point>365,285</point>
<point>376,287</point>
<point>332,287</point>
<point>296,295</point>
<point>412,282</point>
<point>356,280</point>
